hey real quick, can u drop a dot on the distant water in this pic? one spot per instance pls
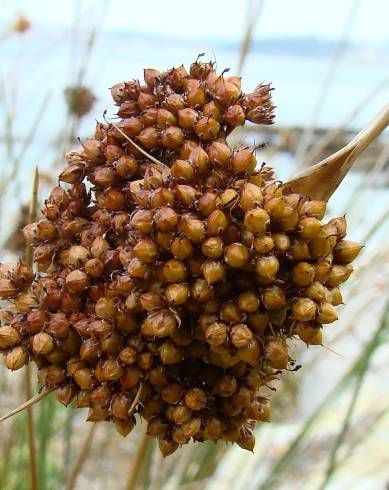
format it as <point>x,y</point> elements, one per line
<point>44,63</point>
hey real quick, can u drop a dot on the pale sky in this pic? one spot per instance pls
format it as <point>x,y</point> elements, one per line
<point>212,19</point>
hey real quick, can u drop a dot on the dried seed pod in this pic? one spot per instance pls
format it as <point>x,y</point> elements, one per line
<point>326,313</point>
<point>236,255</point>
<point>241,335</point>
<point>257,220</point>
<point>304,309</point>
<point>9,337</point>
<point>346,251</point>
<point>303,273</point>
<point>216,333</point>
<point>308,334</point>
<point>16,358</point>
<point>195,399</point>
<point>276,353</point>
<point>248,301</point>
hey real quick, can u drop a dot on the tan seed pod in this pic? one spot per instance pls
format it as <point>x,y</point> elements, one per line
<point>241,335</point>
<point>304,309</point>
<point>236,255</point>
<point>16,358</point>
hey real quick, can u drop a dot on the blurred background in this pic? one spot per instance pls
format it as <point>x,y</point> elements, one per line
<point>329,65</point>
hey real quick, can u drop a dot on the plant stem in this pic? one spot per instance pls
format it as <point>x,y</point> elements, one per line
<point>34,482</point>
<point>81,458</point>
<point>137,464</point>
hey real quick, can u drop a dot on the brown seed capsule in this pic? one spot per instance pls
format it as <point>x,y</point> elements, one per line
<point>309,227</point>
<point>212,248</point>
<point>250,197</point>
<point>251,352</point>
<point>276,353</point>
<point>160,324</point>
<point>182,170</point>
<point>9,337</point>
<point>177,293</point>
<point>105,308</point>
<point>300,250</point>
<point>219,154</point>
<point>236,255</point>
<point>273,298</point>
<point>84,378</point>
<point>226,386</point>
<point>192,228</point>
<point>230,312</point>
<point>42,343</point>
<point>256,220</point>
<point>166,218</point>
<point>235,115</point>
<point>174,270</point>
<point>338,275</point>
<point>323,271</point>
<point>248,301</point>
<point>175,102</point>
<point>308,334</point>
<point>243,161</point>
<point>16,358</point>
<point>267,267</point>
<point>241,335</point>
<point>326,313</point>
<point>336,297</point>
<point>167,447</point>
<point>77,281</point>
<point>151,301</point>
<point>170,354</point>
<point>263,244</point>
<point>199,159</point>
<point>258,321</point>
<point>126,166</point>
<point>94,268</point>
<point>304,309</point>
<point>181,248</point>
<point>207,128</point>
<point>8,289</point>
<point>157,427</point>
<point>346,251</point>
<point>213,271</point>
<point>172,393</point>
<point>200,291</point>
<point>216,223</point>
<point>282,242</point>
<point>316,209</point>
<point>195,399</point>
<point>303,273</point>
<point>172,137</point>
<point>216,333</point>
<point>66,394</point>
<point>187,118</point>
<point>131,376</point>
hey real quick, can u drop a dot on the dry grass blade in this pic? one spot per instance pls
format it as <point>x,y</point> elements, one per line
<point>321,180</point>
<point>29,403</point>
<point>81,458</point>
<point>136,400</point>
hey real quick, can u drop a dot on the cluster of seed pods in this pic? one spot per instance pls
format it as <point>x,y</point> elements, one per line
<point>170,273</point>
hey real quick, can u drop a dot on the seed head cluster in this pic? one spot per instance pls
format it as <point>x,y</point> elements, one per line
<point>169,271</point>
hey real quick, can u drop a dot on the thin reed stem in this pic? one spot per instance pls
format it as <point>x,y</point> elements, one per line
<point>82,457</point>
<point>30,418</point>
<point>138,461</point>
